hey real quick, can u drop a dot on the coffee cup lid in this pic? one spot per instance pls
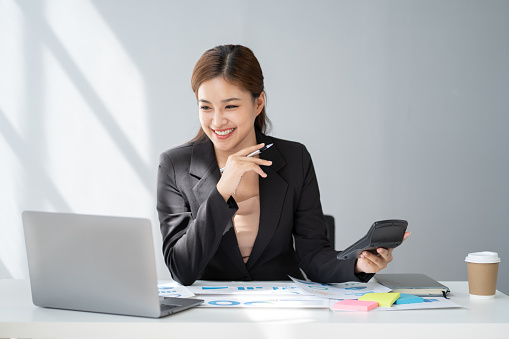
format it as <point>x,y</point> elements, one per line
<point>485,257</point>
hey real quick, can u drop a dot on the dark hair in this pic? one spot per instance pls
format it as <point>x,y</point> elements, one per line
<point>236,64</point>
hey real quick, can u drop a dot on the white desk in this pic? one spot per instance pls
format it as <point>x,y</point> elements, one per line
<point>478,319</point>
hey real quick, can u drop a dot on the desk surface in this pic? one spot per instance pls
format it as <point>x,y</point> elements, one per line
<point>20,318</point>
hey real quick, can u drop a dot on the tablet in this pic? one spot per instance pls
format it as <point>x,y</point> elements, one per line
<point>385,233</point>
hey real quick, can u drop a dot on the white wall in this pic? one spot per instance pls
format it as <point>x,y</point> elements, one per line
<point>402,104</point>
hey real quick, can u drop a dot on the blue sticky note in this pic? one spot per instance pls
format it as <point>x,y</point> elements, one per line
<point>408,299</point>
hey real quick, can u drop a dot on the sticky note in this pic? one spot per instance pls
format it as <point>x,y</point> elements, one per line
<point>355,305</point>
<point>408,299</point>
<point>383,299</point>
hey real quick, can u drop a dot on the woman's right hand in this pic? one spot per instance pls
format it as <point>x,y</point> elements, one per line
<point>236,166</point>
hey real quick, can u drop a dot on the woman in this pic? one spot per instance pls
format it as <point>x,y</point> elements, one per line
<point>261,217</point>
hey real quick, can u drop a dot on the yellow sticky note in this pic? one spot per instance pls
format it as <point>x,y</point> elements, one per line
<point>383,299</point>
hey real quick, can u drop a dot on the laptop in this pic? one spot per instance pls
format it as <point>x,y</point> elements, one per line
<point>95,263</point>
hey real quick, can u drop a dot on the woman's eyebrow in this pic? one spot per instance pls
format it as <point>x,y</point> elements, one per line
<point>230,99</point>
<point>225,100</point>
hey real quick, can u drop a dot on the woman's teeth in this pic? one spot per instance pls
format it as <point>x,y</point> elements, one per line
<point>225,132</point>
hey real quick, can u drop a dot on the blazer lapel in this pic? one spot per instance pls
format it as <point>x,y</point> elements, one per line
<point>204,167</point>
<point>272,196</point>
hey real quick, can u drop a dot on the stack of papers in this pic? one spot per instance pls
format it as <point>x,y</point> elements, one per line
<point>285,294</point>
<point>278,294</point>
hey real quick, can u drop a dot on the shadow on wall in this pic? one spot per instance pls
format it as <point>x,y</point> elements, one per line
<point>21,148</point>
<point>4,272</point>
<point>49,40</point>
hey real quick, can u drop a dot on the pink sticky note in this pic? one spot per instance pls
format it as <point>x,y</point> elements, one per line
<point>355,305</point>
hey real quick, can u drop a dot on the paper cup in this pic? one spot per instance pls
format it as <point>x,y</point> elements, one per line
<point>482,274</point>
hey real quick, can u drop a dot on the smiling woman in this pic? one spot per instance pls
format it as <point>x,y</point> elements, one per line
<point>238,66</point>
<point>227,116</point>
<point>260,218</point>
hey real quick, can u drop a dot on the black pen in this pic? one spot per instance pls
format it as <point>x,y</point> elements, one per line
<point>258,151</point>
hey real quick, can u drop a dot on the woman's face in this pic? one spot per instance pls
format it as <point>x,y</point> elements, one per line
<point>227,114</point>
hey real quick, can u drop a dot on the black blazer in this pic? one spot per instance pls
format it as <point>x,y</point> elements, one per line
<point>199,241</point>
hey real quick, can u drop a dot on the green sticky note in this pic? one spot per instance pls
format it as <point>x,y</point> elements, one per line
<point>383,299</point>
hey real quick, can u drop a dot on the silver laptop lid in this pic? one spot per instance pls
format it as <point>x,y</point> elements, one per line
<point>92,263</point>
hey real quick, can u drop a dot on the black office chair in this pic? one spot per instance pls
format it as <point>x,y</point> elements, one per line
<point>330,227</point>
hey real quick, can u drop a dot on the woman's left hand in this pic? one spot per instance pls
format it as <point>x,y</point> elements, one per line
<point>372,263</point>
